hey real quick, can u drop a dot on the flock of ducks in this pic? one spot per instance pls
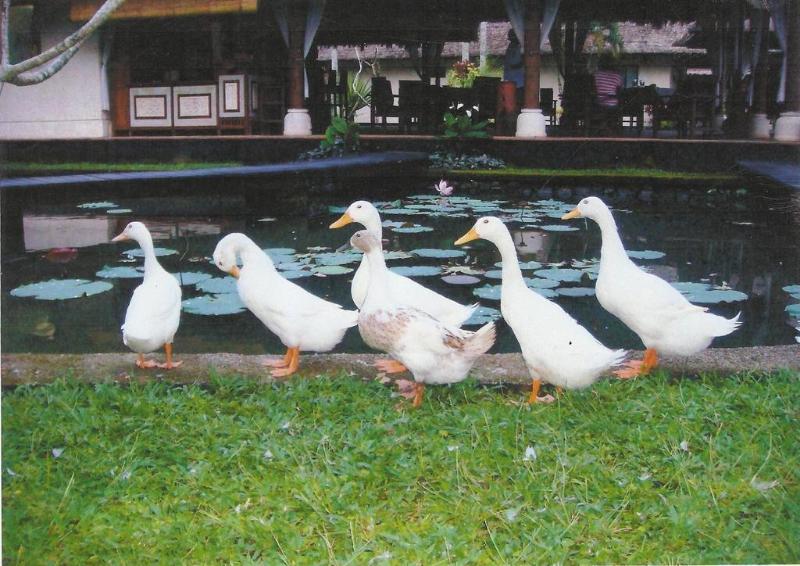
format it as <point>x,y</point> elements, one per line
<point>420,329</point>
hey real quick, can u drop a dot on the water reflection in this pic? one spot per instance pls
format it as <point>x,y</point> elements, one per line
<point>722,241</point>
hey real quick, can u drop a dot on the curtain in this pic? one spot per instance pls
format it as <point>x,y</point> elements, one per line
<point>756,23</point>
<point>313,18</point>
<point>777,9</point>
<point>516,15</point>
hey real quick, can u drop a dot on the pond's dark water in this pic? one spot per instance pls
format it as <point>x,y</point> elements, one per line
<point>739,248</point>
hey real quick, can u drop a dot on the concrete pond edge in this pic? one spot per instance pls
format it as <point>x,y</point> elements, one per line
<point>22,368</point>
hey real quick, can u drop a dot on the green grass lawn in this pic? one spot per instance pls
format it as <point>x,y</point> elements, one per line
<point>325,470</point>
<point>611,173</point>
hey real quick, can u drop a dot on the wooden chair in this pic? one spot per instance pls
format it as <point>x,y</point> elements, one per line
<point>383,101</point>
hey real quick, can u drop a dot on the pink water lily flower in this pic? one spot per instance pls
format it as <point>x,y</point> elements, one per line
<point>443,188</point>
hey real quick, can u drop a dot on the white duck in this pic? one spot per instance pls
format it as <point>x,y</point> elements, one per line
<point>154,312</point>
<point>665,321</point>
<point>556,349</point>
<point>402,288</point>
<point>433,351</point>
<point>301,320</point>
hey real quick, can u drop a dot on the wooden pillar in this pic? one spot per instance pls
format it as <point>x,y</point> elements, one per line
<point>531,122</point>
<point>296,59</point>
<point>531,57</point>
<point>787,127</point>
<point>119,78</point>
<point>297,121</point>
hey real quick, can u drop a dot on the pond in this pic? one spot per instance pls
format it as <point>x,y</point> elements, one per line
<point>65,287</point>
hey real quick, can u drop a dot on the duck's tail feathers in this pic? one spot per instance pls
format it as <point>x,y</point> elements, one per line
<point>481,340</point>
<point>721,326</point>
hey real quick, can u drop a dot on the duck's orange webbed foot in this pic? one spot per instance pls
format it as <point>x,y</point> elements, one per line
<point>145,364</point>
<point>390,366</point>
<point>636,368</point>
<point>169,363</point>
<point>280,362</point>
<point>534,396</point>
<point>294,363</point>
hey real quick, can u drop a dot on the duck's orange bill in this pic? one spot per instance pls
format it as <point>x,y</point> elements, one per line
<point>574,213</point>
<point>234,271</point>
<point>343,221</point>
<point>122,237</point>
<point>468,237</point>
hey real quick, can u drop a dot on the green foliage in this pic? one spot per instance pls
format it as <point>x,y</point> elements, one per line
<point>359,95</point>
<point>453,160</point>
<point>341,138</point>
<point>327,470</point>
<point>461,126</point>
<point>462,74</point>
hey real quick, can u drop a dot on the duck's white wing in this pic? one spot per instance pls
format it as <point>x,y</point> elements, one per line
<point>153,304</point>
<point>411,293</point>
<point>637,291</point>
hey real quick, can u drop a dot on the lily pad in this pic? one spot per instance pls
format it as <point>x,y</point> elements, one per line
<point>119,211</point>
<point>96,205</point>
<point>461,279</point>
<point>191,277</point>
<point>275,252</point>
<point>137,252</point>
<point>218,285</point>
<point>412,229</point>
<point>561,274</point>
<point>400,211</point>
<point>437,253</point>
<point>575,291</point>
<point>392,224</point>
<point>645,254</point>
<point>60,289</point>
<point>523,265</point>
<point>121,272</point>
<point>714,296</point>
<point>337,209</point>
<point>494,274</point>
<point>793,290</point>
<point>559,228</point>
<point>397,254</point>
<point>332,269</point>
<point>482,315</point>
<point>296,274</point>
<point>690,287</point>
<point>541,283</point>
<point>793,310</point>
<point>337,258</point>
<point>214,305</point>
<point>416,270</point>
<point>488,292</point>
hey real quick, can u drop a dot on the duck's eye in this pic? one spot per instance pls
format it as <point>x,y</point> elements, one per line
<point>585,201</point>
<point>486,221</point>
<point>358,206</point>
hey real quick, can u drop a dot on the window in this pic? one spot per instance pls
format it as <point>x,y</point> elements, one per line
<point>630,76</point>
<point>23,36</point>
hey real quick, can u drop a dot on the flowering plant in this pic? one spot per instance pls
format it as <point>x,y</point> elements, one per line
<point>462,74</point>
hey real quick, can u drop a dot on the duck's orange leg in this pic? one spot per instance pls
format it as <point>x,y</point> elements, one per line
<point>144,364</point>
<point>170,364</point>
<point>419,392</point>
<point>280,362</point>
<point>294,363</point>
<point>636,368</point>
<point>390,366</point>
<point>534,396</point>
